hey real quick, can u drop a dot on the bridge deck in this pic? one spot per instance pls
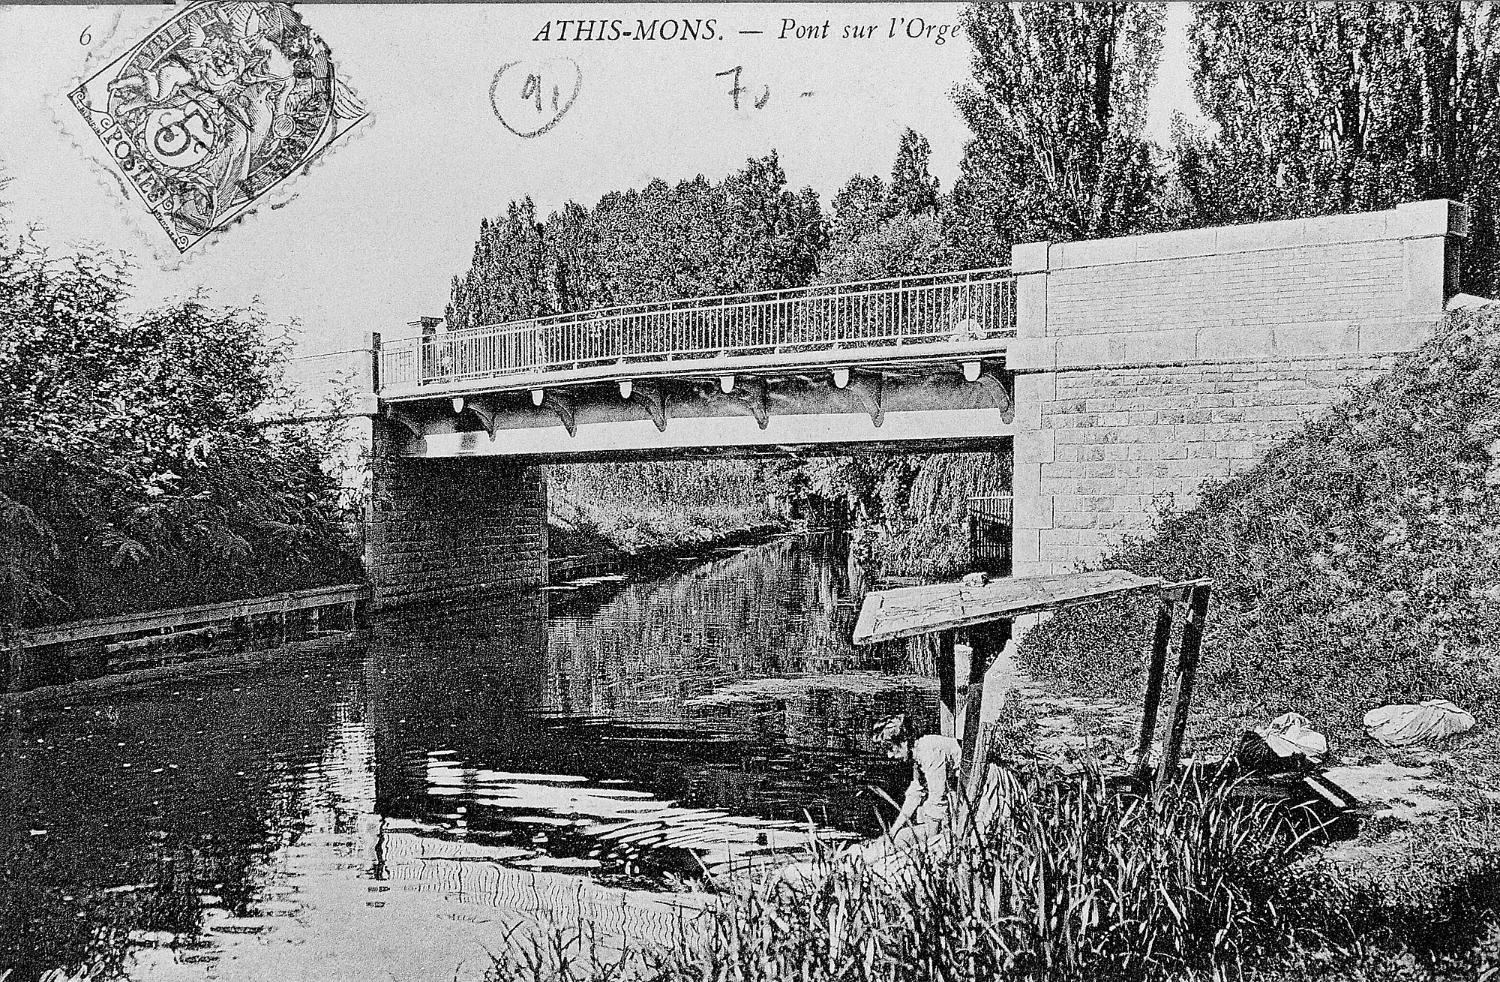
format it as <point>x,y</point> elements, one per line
<point>913,318</point>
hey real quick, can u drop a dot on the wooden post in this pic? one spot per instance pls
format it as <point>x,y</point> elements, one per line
<point>1187,668</point>
<point>947,690</point>
<point>1154,673</point>
<point>984,642</point>
<point>963,657</point>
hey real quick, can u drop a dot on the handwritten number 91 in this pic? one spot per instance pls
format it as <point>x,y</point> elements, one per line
<point>532,89</point>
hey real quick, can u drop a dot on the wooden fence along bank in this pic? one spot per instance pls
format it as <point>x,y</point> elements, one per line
<point>85,650</point>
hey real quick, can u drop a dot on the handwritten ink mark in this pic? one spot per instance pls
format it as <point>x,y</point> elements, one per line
<point>734,90</point>
<point>806,95</point>
<point>531,94</point>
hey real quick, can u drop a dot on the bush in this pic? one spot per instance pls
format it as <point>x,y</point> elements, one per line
<point>131,475</point>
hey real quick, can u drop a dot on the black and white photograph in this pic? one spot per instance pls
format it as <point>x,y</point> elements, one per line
<point>750,492</point>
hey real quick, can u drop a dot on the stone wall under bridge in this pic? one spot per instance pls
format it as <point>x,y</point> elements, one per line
<point>442,528</point>
<point>1148,364</point>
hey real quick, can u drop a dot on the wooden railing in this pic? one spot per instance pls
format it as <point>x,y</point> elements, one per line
<point>965,306</point>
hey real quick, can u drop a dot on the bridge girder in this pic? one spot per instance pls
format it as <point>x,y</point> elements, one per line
<point>742,413</point>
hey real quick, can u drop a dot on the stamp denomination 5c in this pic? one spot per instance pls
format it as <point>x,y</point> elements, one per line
<point>216,107</point>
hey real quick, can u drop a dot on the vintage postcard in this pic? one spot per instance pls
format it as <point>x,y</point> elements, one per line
<point>742,492</point>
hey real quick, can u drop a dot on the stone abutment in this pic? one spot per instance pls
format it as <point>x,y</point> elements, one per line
<point>1149,364</point>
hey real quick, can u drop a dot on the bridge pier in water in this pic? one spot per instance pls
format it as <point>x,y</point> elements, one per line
<point>440,528</point>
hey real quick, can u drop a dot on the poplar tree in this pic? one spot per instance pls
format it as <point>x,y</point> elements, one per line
<point>913,188</point>
<point>1057,106</point>
<point>1337,107</point>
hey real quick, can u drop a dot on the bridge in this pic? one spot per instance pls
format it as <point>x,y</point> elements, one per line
<point>1117,372</point>
<point>911,359</point>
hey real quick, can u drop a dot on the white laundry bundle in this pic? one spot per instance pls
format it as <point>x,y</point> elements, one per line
<point>1290,735</point>
<point>1400,726</point>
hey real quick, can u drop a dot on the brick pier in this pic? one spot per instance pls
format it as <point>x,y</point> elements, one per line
<point>444,528</point>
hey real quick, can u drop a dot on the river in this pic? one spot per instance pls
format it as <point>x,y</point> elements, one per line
<point>388,807</point>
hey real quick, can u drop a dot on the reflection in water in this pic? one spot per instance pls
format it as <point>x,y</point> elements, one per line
<point>389,807</point>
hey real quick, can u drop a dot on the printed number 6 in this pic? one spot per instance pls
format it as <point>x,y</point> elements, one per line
<point>86,38</point>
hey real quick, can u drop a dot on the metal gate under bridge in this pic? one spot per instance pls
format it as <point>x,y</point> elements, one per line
<point>991,518</point>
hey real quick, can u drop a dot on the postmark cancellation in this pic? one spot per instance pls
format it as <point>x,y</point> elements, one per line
<point>214,109</point>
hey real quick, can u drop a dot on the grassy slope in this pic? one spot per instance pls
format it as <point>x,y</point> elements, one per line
<point>655,508</point>
<point>1358,564</point>
<point>647,530</point>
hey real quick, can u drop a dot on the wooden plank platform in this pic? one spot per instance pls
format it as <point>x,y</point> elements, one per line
<point>911,611</point>
<point>176,618</point>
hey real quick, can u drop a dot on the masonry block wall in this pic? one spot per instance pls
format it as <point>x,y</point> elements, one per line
<point>1148,364</point>
<point>443,528</point>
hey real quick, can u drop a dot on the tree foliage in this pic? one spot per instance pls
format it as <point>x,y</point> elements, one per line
<point>130,475</point>
<point>881,230</point>
<point>746,232</point>
<point>1056,107</point>
<point>1338,107</point>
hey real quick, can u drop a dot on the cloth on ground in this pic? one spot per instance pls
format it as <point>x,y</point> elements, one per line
<point>1400,726</point>
<point>1290,735</point>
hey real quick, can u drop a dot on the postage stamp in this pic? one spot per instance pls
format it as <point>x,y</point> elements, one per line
<point>215,108</point>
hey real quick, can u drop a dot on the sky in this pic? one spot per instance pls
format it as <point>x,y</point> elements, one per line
<point>373,234</point>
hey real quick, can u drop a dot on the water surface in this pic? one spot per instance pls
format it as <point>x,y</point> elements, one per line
<point>387,808</point>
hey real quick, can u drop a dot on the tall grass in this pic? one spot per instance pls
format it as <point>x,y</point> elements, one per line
<point>1069,881</point>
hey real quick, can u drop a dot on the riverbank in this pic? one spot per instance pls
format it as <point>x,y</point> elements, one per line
<point>612,538</point>
<point>1354,567</point>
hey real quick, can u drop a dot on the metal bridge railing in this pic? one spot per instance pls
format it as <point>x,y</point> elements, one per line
<point>964,306</point>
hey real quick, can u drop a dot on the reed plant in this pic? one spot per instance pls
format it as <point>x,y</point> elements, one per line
<point>1057,880</point>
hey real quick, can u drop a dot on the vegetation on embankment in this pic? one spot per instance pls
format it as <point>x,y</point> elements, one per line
<point>647,510</point>
<point>1357,565</point>
<point>132,476</point>
<point>1076,884</point>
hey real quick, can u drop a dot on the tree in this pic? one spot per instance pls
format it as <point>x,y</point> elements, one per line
<point>1326,108</point>
<point>508,277</point>
<point>775,235</point>
<point>903,245</point>
<point>880,231</point>
<point>131,476</point>
<point>913,188</point>
<point>747,232</point>
<point>858,209</point>
<point>1057,107</point>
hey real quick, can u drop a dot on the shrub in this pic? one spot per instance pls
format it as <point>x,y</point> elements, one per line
<point>131,475</point>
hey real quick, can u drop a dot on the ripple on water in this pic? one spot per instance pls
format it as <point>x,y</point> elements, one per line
<point>468,768</point>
